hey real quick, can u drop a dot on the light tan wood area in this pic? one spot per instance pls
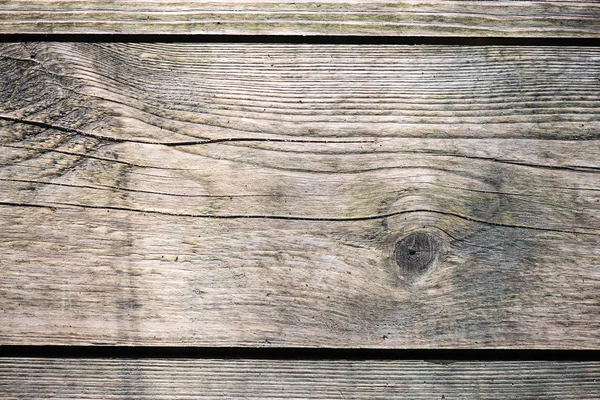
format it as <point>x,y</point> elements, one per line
<point>297,379</point>
<point>320,196</point>
<point>384,18</point>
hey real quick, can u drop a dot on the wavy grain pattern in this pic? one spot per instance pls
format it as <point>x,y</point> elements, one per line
<point>253,195</point>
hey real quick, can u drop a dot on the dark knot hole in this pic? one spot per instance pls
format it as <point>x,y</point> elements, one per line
<point>416,252</point>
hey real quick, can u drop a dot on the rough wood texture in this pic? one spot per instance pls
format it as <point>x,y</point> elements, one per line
<point>254,195</point>
<point>389,18</point>
<point>266,379</point>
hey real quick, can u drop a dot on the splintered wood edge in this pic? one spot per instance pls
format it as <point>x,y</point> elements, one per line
<point>383,18</point>
<point>259,379</point>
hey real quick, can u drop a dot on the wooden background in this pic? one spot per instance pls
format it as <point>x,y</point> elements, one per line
<point>259,192</point>
<point>516,19</point>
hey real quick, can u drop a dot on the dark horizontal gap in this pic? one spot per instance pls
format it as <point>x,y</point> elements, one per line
<point>302,39</point>
<point>276,353</point>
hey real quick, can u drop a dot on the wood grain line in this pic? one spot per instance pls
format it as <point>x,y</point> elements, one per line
<point>258,379</point>
<point>557,19</point>
<point>55,205</point>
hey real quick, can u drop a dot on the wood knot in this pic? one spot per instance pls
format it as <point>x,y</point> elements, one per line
<point>416,252</point>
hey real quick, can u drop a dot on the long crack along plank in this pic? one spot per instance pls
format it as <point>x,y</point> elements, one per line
<point>557,19</point>
<point>298,379</point>
<point>299,195</point>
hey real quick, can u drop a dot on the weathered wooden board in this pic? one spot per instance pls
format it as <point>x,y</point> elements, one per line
<point>388,18</point>
<point>254,195</point>
<point>266,379</point>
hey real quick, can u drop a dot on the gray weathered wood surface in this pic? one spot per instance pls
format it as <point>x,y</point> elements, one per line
<point>388,18</point>
<point>297,379</point>
<point>253,195</point>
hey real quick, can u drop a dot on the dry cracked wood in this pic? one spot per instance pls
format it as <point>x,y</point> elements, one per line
<point>547,18</point>
<point>272,195</point>
<point>297,379</point>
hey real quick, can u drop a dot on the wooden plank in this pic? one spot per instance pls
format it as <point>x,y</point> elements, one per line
<point>297,379</point>
<point>298,195</point>
<point>386,18</point>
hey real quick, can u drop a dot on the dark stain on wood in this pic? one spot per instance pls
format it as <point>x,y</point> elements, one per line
<point>416,252</point>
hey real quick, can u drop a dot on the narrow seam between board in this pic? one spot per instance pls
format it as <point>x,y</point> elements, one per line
<point>586,41</point>
<point>446,355</point>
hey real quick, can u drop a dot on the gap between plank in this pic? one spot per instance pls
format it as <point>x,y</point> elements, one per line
<point>303,39</point>
<point>291,353</point>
